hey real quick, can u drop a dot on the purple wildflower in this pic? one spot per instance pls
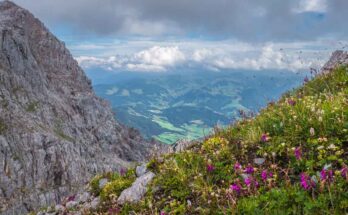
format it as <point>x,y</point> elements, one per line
<point>264,175</point>
<point>291,102</point>
<point>298,153</point>
<point>304,181</point>
<point>249,169</point>
<point>236,188</point>
<point>71,198</point>
<point>123,171</point>
<point>344,172</point>
<point>256,183</point>
<point>247,181</point>
<point>270,174</point>
<point>323,174</point>
<point>237,166</point>
<point>113,211</point>
<point>305,79</point>
<point>163,213</point>
<point>330,174</point>
<point>210,167</point>
<point>264,138</point>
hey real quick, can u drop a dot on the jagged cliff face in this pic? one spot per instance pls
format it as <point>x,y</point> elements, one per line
<point>54,132</point>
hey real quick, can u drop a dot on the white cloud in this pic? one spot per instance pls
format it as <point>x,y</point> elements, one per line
<point>112,91</point>
<point>125,93</point>
<point>160,56</point>
<point>319,6</point>
<point>155,59</point>
<point>150,56</point>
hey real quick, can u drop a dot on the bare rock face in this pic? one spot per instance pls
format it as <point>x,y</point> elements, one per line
<point>337,58</point>
<point>55,133</point>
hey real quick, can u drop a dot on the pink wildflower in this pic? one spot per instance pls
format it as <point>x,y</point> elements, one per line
<point>306,182</point>
<point>113,211</point>
<point>323,174</point>
<point>298,153</point>
<point>344,172</point>
<point>270,174</point>
<point>249,169</point>
<point>264,175</point>
<point>210,167</point>
<point>71,198</point>
<point>291,102</point>
<point>123,171</point>
<point>264,137</point>
<point>247,181</point>
<point>237,166</point>
<point>236,188</point>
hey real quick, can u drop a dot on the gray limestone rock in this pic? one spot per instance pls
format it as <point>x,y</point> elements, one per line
<point>138,189</point>
<point>59,208</point>
<point>337,58</point>
<point>55,133</point>
<point>71,204</point>
<point>83,197</point>
<point>102,183</point>
<point>95,203</point>
<point>141,170</point>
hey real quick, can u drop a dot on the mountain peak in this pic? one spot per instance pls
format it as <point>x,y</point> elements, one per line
<point>7,4</point>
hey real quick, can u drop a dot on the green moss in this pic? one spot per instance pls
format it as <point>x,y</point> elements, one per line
<point>94,185</point>
<point>32,107</point>
<point>3,126</point>
<point>117,183</point>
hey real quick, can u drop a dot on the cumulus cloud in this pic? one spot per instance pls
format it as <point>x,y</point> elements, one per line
<point>218,56</point>
<point>269,58</point>
<point>154,59</point>
<point>161,56</point>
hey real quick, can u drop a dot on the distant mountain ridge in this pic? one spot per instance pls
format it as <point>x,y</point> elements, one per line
<point>187,105</point>
<point>55,133</point>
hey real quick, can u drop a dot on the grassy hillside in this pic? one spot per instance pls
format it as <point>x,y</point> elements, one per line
<point>289,159</point>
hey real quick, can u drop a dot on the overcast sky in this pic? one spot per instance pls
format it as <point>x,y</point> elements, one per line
<point>157,35</point>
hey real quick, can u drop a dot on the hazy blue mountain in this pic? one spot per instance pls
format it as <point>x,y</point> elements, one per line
<point>188,104</point>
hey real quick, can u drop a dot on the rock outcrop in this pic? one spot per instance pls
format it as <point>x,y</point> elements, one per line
<point>55,133</point>
<point>338,57</point>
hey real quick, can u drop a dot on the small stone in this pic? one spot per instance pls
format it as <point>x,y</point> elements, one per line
<point>245,176</point>
<point>71,204</point>
<point>259,161</point>
<point>83,197</point>
<point>95,203</point>
<point>141,170</point>
<point>59,208</point>
<point>102,183</point>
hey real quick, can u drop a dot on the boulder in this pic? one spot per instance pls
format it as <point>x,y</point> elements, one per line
<point>138,189</point>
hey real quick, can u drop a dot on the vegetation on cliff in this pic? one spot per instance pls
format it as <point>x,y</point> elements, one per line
<point>289,159</point>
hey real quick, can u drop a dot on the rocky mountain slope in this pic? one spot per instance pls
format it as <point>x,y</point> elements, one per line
<point>291,158</point>
<point>55,133</point>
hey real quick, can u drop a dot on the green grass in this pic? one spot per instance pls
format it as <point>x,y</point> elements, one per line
<point>165,124</point>
<point>303,135</point>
